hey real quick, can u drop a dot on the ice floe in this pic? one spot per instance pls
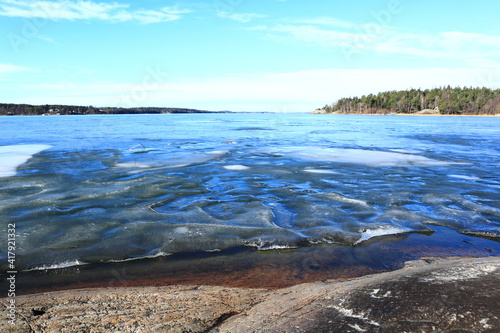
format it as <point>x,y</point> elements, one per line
<point>341,198</point>
<point>374,158</point>
<point>406,151</point>
<point>322,171</point>
<point>167,160</point>
<point>11,157</point>
<point>381,231</point>
<point>464,177</point>
<point>133,165</point>
<point>236,167</point>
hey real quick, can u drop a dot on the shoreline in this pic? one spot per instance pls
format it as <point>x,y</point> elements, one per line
<point>272,269</point>
<point>423,295</point>
<point>449,115</point>
<point>406,114</point>
<point>262,112</point>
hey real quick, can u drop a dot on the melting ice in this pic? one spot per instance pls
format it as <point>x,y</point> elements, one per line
<point>358,156</point>
<point>203,183</point>
<point>12,157</point>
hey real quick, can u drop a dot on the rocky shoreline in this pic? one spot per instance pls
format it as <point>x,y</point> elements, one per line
<point>431,294</point>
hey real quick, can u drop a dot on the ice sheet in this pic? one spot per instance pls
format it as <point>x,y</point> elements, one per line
<point>167,160</point>
<point>358,156</point>
<point>464,177</point>
<point>236,167</point>
<point>381,231</point>
<point>11,157</point>
<point>323,171</point>
<point>65,264</point>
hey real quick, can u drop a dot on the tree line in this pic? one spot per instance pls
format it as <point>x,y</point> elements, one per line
<point>445,100</point>
<point>27,109</point>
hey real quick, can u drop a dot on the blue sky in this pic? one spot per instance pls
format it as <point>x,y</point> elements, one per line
<point>241,55</point>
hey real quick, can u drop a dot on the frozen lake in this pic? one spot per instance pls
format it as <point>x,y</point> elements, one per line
<point>86,190</point>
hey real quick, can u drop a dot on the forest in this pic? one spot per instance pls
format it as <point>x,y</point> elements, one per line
<point>26,109</point>
<point>445,100</point>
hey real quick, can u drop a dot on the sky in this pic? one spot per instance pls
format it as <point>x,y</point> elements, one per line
<point>241,55</point>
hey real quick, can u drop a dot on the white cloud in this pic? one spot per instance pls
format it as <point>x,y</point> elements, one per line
<point>317,35</point>
<point>379,39</point>
<point>7,71</point>
<point>474,38</point>
<point>240,17</point>
<point>164,15</point>
<point>45,38</point>
<point>446,45</point>
<point>327,21</point>
<point>11,73</point>
<point>256,28</point>
<point>7,68</point>
<point>86,10</point>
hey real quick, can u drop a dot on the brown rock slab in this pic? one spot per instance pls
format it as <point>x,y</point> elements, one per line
<point>140,309</point>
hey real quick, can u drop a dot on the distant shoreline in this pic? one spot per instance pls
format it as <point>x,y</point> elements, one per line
<point>405,114</point>
<point>13,109</point>
<point>411,114</point>
<point>263,112</point>
<point>450,115</point>
<point>117,114</point>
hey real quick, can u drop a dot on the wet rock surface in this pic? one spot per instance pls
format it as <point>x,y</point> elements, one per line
<point>428,295</point>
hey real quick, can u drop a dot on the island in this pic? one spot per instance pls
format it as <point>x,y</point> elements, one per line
<point>439,101</point>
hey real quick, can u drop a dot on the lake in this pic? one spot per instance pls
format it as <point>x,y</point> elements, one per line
<point>184,194</point>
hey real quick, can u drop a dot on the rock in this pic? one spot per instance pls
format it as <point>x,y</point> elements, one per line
<point>427,295</point>
<point>428,111</point>
<point>444,295</point>
<point>150,309</point>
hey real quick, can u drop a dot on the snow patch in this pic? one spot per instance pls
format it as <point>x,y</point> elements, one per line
<point>374,294</point>
<point>357,328</point>
<point>461,273</point>
<point>351,314</point>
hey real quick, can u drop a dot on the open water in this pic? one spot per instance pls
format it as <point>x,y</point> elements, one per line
<point>91,190</point>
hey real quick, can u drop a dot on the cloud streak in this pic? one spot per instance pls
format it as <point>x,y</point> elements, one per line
<point>87,10</point>
<point>239,17</point>
<point>383,40</point>
<point>316,35</point>
<point>327,21</point>
<point>11,73</point>
<point>7,68</point>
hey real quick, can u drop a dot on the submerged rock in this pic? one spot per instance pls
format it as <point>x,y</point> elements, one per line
<point>443,295</point>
